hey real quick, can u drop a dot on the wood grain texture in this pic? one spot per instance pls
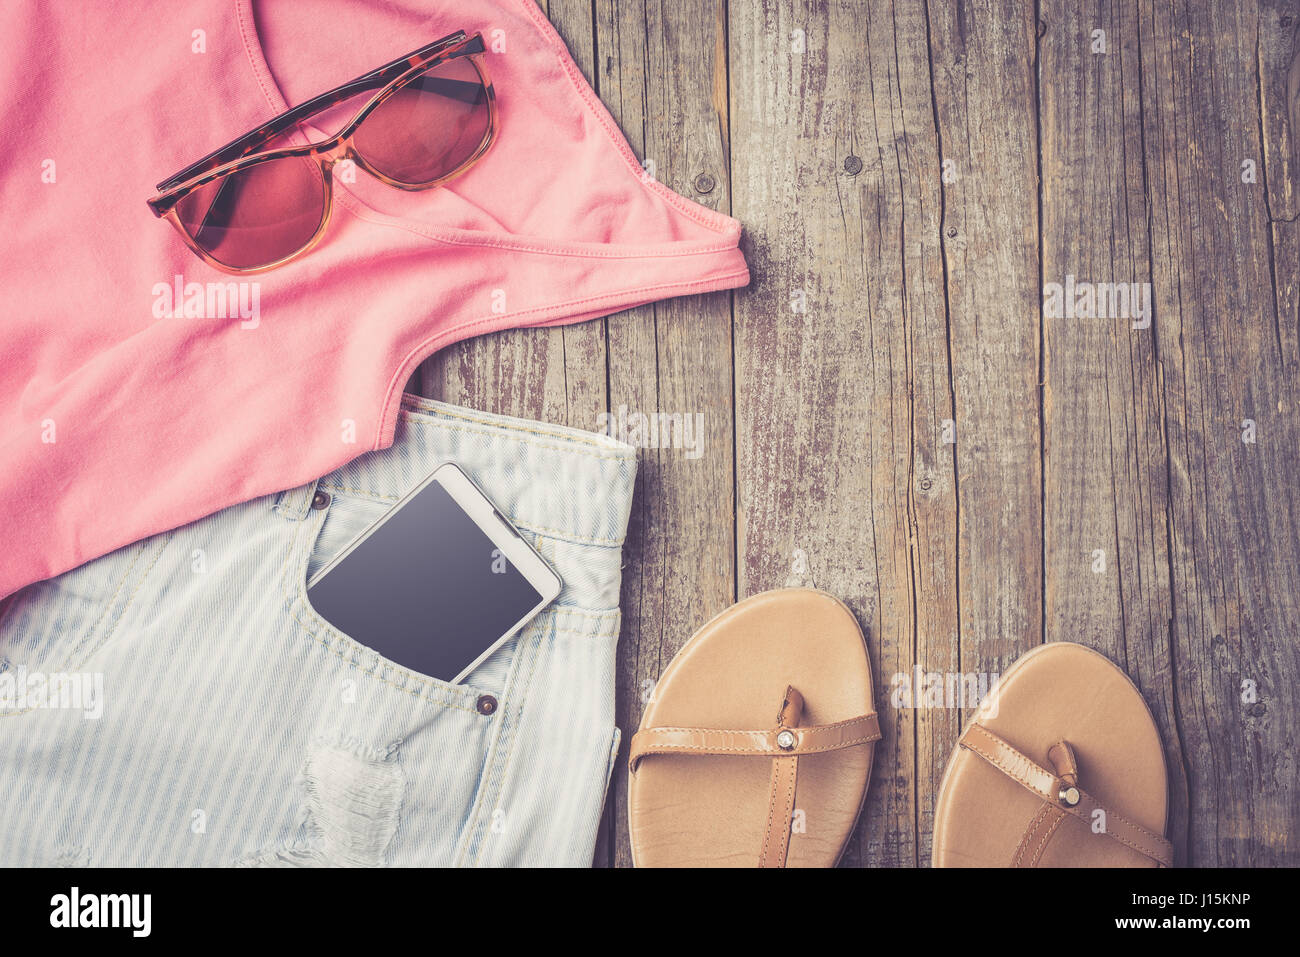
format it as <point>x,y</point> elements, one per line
<point>891,416</point>
<point>1106,542</point>
<point>841,356</point>
<point>983,59</point>
<point>1234,507</point>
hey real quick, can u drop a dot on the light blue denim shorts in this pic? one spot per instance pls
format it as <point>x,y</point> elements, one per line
<point>206,715</point>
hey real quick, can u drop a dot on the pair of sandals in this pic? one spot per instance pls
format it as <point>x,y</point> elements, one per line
<point>756,750</point>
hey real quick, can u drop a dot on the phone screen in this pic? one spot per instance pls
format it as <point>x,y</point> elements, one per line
<point>427,589</point>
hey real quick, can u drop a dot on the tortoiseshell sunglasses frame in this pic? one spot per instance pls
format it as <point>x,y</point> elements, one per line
<point>240,153</point>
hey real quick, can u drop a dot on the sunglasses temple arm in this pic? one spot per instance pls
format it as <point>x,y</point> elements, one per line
<point>249,142</point>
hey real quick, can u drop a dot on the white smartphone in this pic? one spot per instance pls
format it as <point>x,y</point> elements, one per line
<point>438,582</point>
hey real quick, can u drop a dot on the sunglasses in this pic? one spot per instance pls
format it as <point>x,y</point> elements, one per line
<point>248,207</point>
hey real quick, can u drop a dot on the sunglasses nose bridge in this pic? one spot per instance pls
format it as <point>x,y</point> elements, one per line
<point>341,152</point>
<point>349,161</point>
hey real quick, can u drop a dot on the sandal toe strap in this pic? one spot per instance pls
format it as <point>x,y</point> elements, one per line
<point>779,742</point>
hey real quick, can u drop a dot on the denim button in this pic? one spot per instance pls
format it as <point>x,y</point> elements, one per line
<point>320,500</point>
<point>486,704</point>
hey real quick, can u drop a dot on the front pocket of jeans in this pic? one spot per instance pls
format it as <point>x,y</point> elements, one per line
<point>328,531</point>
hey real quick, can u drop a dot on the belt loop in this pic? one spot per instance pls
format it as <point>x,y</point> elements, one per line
<point>294,504</point>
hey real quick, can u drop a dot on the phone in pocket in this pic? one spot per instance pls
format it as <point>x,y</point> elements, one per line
<point>438,582</point>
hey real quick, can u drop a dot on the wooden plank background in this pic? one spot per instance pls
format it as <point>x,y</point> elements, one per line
<point>890,417</point>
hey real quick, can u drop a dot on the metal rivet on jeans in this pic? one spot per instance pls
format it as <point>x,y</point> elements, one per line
<point>320,500</point>
<point>486,704</point>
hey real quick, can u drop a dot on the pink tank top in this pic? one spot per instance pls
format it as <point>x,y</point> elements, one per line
<point>141,390</point>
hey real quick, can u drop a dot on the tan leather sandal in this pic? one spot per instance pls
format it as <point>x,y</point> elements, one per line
<point>1061,767</point>
<point>756,747</point>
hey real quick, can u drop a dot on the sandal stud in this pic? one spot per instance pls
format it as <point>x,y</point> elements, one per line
<point>785,740</point>
<point>1069,796</point>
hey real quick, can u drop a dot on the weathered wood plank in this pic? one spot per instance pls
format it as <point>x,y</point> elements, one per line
<point>1278,63</point>
<point>984,99</point>
<point>1234,506</point>
<point>662,74</point>
<point>845,483</point>
<point>1106,542</point>
<point>983,63</point>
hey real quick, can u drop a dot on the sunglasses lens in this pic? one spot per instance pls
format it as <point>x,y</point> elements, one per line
<point>430,128</point>
<point>258,215</point>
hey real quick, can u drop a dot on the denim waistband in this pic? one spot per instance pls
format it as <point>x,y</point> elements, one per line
<point>552,480</point>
